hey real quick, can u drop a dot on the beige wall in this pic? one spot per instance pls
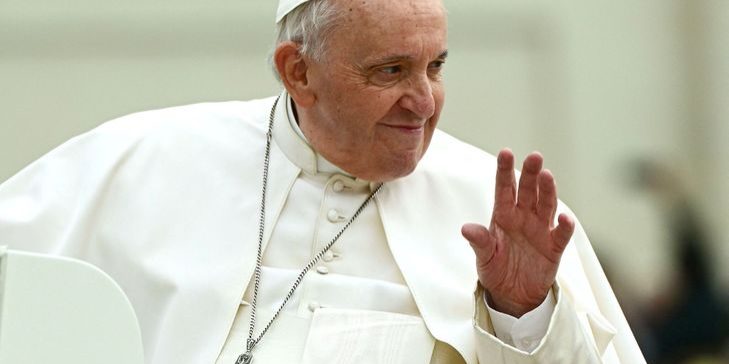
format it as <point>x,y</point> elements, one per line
<point>591,84</point>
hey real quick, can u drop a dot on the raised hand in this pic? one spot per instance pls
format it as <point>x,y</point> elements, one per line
<point>517,256</point>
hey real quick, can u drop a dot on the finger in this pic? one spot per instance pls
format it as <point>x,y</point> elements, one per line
<point>505,181</point>
<point>562,234</point>
<point>528,190</point>
<point>547,200</point>
<point>481,242</point>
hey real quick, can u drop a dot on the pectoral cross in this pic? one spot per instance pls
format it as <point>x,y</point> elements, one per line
<point>245,358</point>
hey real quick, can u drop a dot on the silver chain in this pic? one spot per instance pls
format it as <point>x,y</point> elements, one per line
<point>251,342</point>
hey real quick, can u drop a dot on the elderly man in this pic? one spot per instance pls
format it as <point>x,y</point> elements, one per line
<point>313,227</point>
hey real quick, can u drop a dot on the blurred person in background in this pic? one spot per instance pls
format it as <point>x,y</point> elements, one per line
<point>690,323</point>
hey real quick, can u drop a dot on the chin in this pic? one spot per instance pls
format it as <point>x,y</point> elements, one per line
<point>398,169</point>
<point>394,165</point>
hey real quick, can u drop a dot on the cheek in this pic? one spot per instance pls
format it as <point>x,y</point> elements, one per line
<point>376,106</point>
<point>439,95</point>
<point>385,103</point>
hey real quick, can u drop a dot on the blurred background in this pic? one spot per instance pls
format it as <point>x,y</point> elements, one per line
<point>628,101</point>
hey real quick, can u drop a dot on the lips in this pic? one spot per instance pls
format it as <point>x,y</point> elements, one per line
<point>406,127</point>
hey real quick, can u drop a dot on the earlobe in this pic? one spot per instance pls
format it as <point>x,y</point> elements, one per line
<point>293,70</point>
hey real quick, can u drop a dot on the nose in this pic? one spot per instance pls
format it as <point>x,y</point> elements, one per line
<point>418,97</point>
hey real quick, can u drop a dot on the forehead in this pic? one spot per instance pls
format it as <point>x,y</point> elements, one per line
<point>384,7</point>
<point>377,26</point>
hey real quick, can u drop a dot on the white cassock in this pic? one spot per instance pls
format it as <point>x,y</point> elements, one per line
<point>167,202</point>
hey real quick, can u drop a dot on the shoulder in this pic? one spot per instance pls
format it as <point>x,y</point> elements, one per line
<point>177,132</point>
<point>198,137</point>
<point>202,119</point>
<point>444,146</point>
<point>455,161</point>
<point>454,165</point>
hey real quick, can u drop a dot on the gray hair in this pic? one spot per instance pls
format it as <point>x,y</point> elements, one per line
<point>309,25</point>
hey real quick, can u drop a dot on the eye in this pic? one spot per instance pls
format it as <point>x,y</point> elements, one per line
<point>390,70</point>
<point>435,69</point>
<point>387,75</point>
<point>436,65</point>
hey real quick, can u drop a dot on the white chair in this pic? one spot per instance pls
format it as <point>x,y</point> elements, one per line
<point>63,311</point>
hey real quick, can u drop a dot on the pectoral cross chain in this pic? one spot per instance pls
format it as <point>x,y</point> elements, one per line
<point>245,358</point>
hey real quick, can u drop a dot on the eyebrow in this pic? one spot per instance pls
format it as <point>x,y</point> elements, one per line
<point>401,57</point>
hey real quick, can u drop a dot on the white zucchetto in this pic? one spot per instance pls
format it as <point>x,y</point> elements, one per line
<point>285,7</point>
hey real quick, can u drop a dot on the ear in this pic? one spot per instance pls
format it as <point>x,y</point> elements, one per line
<point>292,68</point>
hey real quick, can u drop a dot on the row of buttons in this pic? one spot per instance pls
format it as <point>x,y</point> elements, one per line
<point>334,216</point>
<point>328,257</point>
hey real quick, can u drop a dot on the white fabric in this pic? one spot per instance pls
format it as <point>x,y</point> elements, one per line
<point>344,279</point>
<point>524,332</point>
<point>285,7</point>
<point>166,202</point>
<point>390,338</point>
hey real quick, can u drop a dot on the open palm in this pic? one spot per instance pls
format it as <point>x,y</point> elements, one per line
<point>518,255</point>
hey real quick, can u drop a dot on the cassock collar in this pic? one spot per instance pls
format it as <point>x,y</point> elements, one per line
<point>293,143</point>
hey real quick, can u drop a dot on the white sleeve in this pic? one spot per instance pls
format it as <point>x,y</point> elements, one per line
<point>565,340</point>
<point>525,332</point>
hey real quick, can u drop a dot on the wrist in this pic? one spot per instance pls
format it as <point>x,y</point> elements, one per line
<point>511,307</point>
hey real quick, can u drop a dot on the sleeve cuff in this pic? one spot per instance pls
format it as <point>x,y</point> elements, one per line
<point>524,333</point>
<point>565,341</point>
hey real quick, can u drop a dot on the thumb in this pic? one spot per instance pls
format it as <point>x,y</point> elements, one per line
<point>481,242</point>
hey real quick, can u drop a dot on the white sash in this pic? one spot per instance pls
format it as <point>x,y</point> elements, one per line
<point>343,336</point>
<point>336,336</point>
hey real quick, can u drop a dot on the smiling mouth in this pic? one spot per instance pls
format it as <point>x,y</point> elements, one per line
<point>410,128</point>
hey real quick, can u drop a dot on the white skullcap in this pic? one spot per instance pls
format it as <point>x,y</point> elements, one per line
<point>285,7</point>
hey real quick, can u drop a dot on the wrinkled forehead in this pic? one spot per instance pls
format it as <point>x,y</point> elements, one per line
<point>383,26</point>
<point>286,6</point>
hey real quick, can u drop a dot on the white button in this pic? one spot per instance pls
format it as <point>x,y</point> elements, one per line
<point>328,256</point>
<point>313,306</point>
<point>338,186</point>
<point>333,216</point>
<point>322,269</point>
